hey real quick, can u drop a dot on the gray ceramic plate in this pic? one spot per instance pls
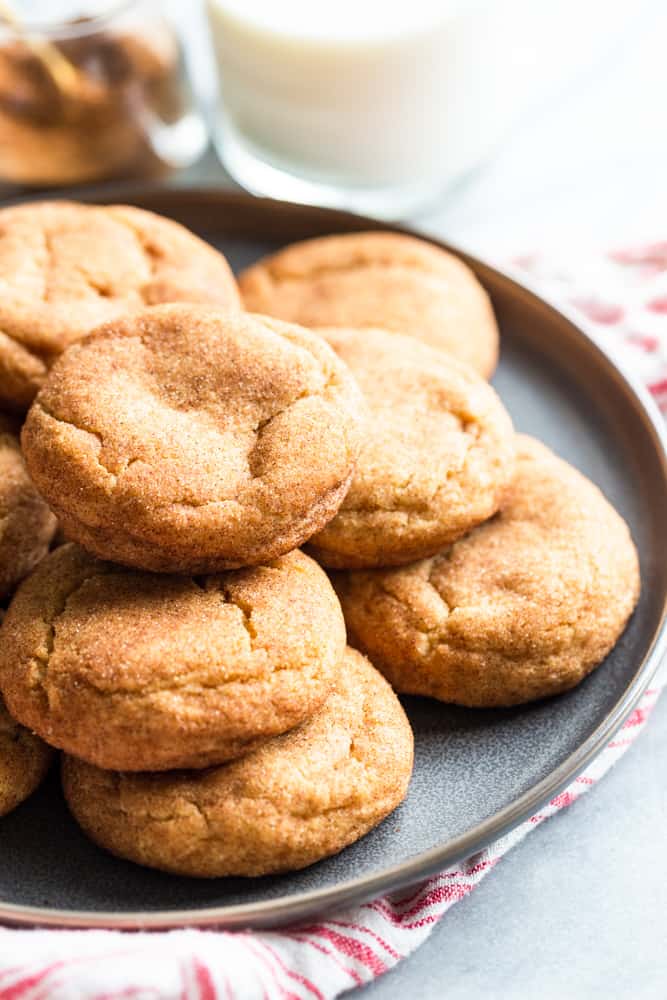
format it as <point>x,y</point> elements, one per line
<point>477,773</point>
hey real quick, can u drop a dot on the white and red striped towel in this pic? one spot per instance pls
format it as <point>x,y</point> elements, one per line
<point>624,296</point>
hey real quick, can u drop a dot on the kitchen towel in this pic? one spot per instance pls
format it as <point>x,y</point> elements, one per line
<point>622,295</point>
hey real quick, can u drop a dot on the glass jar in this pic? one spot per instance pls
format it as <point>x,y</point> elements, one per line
<point>93,96</point>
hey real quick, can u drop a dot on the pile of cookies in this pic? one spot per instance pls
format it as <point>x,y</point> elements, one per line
<point>211,452</point>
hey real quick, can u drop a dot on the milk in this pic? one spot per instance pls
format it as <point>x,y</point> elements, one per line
<point>381,105</point>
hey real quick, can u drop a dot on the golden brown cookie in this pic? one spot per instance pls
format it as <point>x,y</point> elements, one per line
<point>144,672</point>
<point>523,607</point>
<point>436,459</point>
<point>24,760</point>
<point>188,439</point>
<point>26,523</point>
<point>65,268</point>
<point>383,280</point>
<point>299,798</point>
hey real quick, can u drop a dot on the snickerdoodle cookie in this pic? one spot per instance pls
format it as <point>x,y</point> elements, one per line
<point>65,268</point>
<point>299,798</point>
<point>523,607</point>
<point>140,671</point>
<point>189,439</point>
<point>437,455</point>
<point>26,523</point>
<point>24,760</point>
<point>382,280</point>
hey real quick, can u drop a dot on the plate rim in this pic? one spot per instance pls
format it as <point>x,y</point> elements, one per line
<point>305,905</point>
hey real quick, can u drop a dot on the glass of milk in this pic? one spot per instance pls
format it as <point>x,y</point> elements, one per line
<point>379,105</point>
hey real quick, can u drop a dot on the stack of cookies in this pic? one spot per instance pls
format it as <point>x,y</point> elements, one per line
<point>206,454</point>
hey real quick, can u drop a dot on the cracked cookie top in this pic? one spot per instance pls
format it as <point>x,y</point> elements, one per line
<point>297,799</point>
<point>188,439</point>
<point>140,671</point>
<point>24,760</point>
<point>66,267</point>
<point>26,523</point>
<point>436,459</point>
<point>521,608</point>
<point>384,280</point>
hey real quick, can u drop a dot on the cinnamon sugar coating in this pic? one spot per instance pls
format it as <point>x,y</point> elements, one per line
<point>26,523</point>
<point>385,280</point>
<point>67,267</point>
<point>436,459</point>
<point>523,607</point>
<point>143,672</point>
<point>299,798</point>
<point>24,760</point>
<point>188,439</point>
